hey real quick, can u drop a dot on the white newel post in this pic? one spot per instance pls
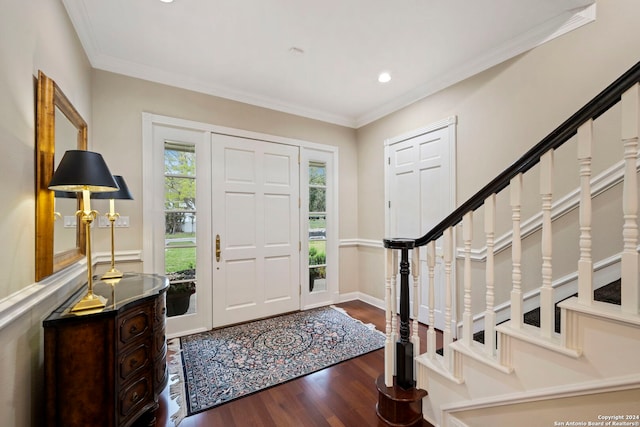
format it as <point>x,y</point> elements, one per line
<point>585,263</point>
<point>490,314</point>
<point>630,123</point>
<point>516,253</point>
<point>547,308</point>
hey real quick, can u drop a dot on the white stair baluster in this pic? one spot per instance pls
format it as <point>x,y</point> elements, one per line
<point>630,123</point>
<point>490,314</point>
<point>516,253</point>
<point>431,332</point>
<point>448,283</point>
<point>415,272</point>
<point>389,345</point>
<point>585,263</point>
<point>547,307</point>
<point>394,304</point>
<point>467,319</point>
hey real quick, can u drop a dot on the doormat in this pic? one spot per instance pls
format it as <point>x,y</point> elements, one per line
<point>224,364</point>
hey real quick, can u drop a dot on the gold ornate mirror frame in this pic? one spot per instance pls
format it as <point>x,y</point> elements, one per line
<point>49,99</point>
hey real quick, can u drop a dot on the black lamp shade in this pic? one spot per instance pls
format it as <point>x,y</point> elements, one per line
<point>65,195</point>
<point>122,194</point>
<point>82,170</point>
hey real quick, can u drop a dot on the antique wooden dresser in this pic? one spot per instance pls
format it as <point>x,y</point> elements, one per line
<point>107,368</point>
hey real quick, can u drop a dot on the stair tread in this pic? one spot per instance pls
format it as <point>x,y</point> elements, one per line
<point>610,293</point>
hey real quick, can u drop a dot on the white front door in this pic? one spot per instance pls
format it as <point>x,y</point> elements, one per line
<point>420,193</point>
<point>256,258</point>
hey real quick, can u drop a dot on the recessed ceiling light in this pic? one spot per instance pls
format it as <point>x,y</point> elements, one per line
<point>384,77</point>
<point>166,1</point>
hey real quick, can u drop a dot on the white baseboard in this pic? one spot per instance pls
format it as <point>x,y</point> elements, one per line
<point>352,296</point>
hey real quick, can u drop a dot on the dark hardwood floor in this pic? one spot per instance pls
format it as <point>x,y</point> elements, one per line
<point>342,395</point>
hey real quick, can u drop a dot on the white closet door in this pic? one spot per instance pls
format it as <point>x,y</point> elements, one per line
<point>419,187</point>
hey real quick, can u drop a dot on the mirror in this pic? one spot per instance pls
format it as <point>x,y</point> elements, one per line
<point>59,127</point>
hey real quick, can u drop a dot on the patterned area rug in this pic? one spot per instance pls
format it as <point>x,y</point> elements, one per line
<point>225,364</point>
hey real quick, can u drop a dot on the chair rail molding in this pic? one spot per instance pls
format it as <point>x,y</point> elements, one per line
<point>367,243</point>
<point>21,302</point>
<point>68,280</point>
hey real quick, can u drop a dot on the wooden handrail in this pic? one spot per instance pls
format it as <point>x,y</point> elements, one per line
<point>592,110</point>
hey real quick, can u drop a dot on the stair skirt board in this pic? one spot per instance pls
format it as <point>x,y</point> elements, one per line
<point>609,385</point>
<point>604,273</point>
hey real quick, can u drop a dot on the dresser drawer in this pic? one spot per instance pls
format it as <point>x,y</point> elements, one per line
<point>134,360</point>
<point>135,396</point>
<point>134,325</point>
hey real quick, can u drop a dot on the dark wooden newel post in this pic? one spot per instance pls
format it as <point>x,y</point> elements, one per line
<point>401,404</point>
<point>404,347</point>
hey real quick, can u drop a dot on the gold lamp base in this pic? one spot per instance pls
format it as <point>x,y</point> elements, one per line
<point>90,301</point>
<point>113,273</point>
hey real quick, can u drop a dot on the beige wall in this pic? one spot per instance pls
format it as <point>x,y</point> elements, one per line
<point>118,104</point>
<point>34,34</point>
<point>501,113</point>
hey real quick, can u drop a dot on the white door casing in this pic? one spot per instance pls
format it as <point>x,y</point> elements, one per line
<point>256,216</point>
<point>420,192</point>
<point>155,128</point>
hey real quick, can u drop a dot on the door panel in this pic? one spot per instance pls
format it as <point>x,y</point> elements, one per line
<point>255,213</point>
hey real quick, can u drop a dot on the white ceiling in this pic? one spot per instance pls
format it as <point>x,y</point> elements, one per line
<point>241,49</point>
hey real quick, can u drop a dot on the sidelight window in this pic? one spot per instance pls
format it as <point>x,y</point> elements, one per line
<point>317,226</point>
<point>180,226</point>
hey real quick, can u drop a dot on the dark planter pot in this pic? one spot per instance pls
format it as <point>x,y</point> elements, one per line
<point>312,278</point>
<point>178,304</point>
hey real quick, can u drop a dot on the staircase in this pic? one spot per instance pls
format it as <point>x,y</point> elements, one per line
<point>583,368</point>
<point>609,293</point>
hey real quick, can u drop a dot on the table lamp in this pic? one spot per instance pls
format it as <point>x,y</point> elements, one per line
<point>122,194</point>
<point>84,172</point>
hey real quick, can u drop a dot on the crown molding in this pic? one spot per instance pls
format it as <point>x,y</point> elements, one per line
<point>548,31</point>
<point>533,38</point>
